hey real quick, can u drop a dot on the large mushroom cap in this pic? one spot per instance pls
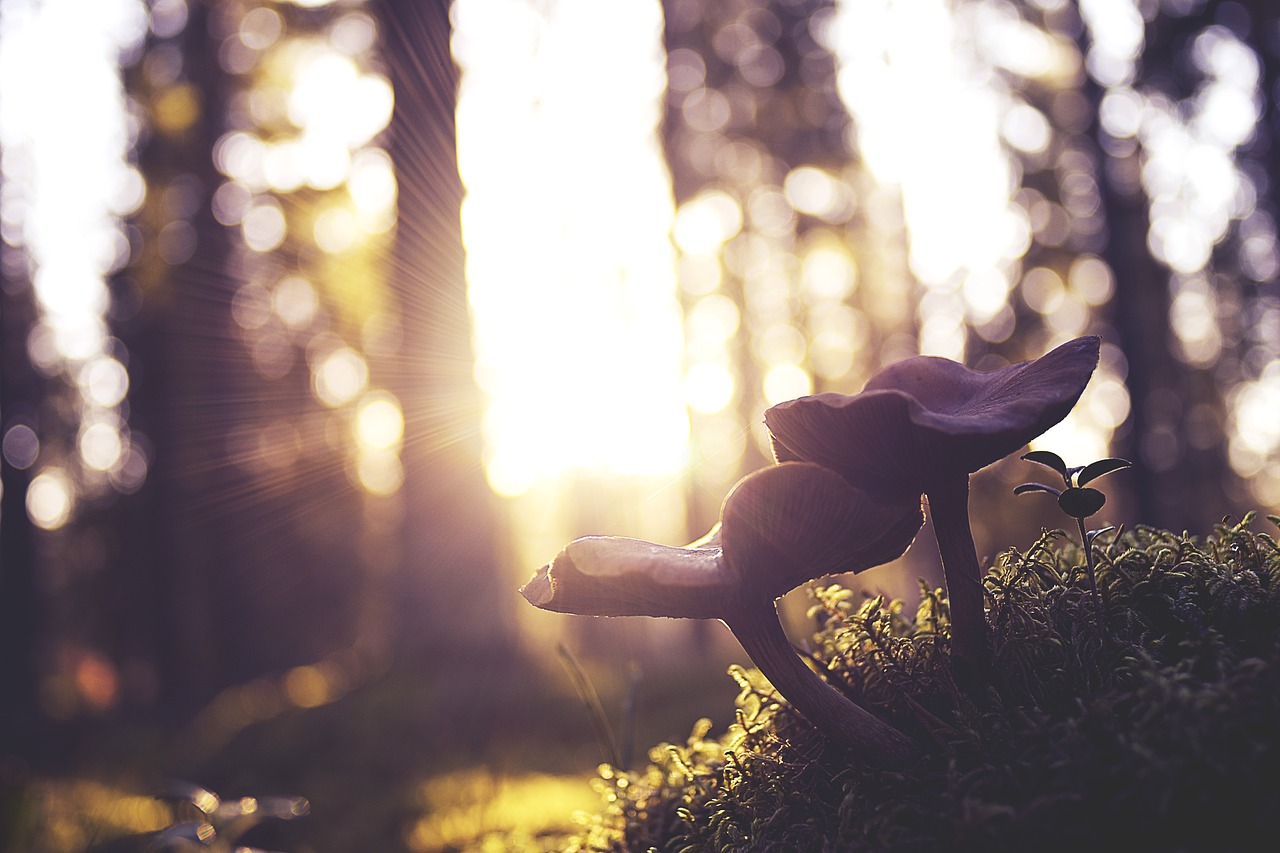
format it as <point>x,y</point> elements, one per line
<point>780,527</point>
<point>928,416</point>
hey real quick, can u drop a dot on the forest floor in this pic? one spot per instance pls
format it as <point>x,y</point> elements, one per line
<point>420,759</point>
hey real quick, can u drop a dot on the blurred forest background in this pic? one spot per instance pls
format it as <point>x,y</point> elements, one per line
<point>325,322</point>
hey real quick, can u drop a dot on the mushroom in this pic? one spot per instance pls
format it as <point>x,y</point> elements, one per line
<point>922,426</point>
<point>779,527</point>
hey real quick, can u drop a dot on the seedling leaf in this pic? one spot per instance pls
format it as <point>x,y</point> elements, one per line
<point>1027,488</point>
<point>1081,503</point>
<point>1094,470</point>
<point>1048,459</point>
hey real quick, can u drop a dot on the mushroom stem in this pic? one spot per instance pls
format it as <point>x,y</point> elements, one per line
<point>758,629</point>
<point>949,509</point>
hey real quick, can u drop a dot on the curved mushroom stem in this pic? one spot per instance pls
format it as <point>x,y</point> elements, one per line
<point>757,627</point>
<point>949,508</point>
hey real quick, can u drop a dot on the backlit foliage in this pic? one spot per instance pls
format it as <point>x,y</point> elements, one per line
<point>482,811</point>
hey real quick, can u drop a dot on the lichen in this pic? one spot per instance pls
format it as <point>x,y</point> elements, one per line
<point>1157,730</point>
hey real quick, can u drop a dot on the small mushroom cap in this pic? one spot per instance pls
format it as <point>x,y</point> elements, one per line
<point>926,417</point>
<point>780,527</point>
<point>791,523</point>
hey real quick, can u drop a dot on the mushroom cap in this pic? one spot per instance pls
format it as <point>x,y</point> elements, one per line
<point>927,417</point>
<point>791,523</point>
<point>780,527</point>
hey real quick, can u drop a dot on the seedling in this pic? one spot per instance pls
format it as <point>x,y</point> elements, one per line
<point>1077,501</point>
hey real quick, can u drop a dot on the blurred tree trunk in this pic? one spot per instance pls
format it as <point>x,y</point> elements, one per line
<point>184,389</point>
<point>1265,15</point>
<point>1140,312</point>
<point>450,589</point>
<point>19,599</point>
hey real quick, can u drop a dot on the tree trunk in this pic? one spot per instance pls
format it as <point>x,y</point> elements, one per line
<point>19,600</point>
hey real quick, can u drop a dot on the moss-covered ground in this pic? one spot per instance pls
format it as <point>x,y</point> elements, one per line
<point>1157,729</point>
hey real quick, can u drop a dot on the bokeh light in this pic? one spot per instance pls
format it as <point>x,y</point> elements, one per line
<point>379,422</point>
<point>340,376</point>
<point>50,499</point>
<point>67,182</point>
<point>964,229</point>
<point>1198,189</point>
<point>21,446</point>
<point>305,171</point>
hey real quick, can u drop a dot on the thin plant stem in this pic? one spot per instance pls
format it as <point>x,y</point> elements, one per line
<point>1093,578</point>
<point>590,698</point>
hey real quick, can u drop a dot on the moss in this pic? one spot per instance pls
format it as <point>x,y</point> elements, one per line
<point>1154,731</point>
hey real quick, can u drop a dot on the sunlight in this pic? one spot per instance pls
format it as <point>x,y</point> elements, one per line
<point>496,809</point>
<point>570,269</point>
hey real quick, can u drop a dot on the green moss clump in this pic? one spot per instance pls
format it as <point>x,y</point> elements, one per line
<point>1159,730</point>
